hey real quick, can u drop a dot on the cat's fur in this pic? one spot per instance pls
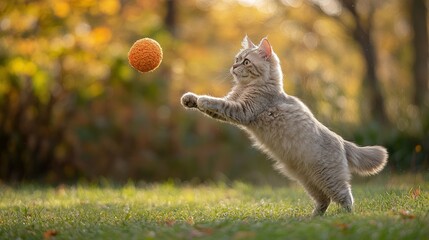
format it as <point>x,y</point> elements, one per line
<point>284,128</point>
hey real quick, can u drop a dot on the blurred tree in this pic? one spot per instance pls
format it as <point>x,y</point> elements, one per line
<point>170,16</point>
<point>418,14</point>
<point>34,102</point>
<point>359,24</point>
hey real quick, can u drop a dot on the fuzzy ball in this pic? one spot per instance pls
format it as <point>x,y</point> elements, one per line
<point>145,55</point>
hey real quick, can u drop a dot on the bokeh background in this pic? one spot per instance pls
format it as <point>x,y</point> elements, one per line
<point>72,108</point>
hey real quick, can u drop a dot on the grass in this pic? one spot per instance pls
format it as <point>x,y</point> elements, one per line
<point>395,208</point>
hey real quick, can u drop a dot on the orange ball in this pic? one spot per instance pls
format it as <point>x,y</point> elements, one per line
<point>145,55</point>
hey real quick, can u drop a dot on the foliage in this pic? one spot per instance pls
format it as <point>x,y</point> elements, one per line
<point>394,208</point>
<point>71,106</point>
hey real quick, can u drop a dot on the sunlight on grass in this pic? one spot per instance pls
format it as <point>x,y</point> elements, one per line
<point>237,211</point>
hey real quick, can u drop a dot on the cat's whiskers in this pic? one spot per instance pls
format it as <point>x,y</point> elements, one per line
<point>223,77</point>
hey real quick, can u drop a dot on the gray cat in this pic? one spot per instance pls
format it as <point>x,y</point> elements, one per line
<point>284,128</point>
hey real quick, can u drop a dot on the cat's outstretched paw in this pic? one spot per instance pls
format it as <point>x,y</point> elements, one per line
<point>189,100</point>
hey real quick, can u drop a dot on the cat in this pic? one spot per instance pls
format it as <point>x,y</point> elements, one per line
<point>285,129</point>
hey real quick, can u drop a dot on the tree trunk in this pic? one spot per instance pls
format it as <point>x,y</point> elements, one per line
<point>362,33</point>
<point>421,52</point>
<point>170,17</point>
<point>371,82</point>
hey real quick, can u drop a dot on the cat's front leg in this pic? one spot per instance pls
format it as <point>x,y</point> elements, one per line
<point>189,100</point>
<point>232,111</point>
<point>206,103</point>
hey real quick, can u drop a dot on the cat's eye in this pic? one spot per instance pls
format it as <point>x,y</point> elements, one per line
<point>246,62</point>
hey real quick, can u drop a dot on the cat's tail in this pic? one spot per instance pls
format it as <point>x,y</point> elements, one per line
<point>365,161</point>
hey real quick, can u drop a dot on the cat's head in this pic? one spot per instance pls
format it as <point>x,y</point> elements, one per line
<point>255,63</point>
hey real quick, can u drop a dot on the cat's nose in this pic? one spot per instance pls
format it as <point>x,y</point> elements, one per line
<point>234,66</point>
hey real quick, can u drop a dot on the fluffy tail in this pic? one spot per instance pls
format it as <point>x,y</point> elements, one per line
<point>365,161</point>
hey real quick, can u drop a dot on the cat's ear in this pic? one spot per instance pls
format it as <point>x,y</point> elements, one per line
<point>246,43</point>
<point>265,49</point>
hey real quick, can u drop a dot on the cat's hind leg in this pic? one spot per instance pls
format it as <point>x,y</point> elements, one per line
<point>342,194</point>
<point>333,178</point>
<point>339,190</point>
<point>334,183</point>
<point>321,200</point>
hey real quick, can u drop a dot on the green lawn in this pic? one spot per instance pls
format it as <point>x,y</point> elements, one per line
<point>390,208</point>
